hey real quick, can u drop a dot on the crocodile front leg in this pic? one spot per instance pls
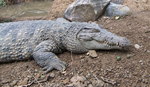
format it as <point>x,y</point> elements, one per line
<point>44,56</point>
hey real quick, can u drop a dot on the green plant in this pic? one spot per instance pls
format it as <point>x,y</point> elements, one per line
<point>2,3</point>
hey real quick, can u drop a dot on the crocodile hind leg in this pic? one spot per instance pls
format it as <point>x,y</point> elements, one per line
<point>44,56</point>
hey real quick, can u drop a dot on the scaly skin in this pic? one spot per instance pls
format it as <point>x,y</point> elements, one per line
<point>41,39</point>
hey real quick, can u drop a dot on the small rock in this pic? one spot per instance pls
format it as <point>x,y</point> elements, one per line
<point>92,53</point>
<point>117,17</point>
<point>118,58</point>
<point>48,77</point>
<point>42,76</point>
<point>29,76</point>
<point>70,85</point>
<point>52,75</point>
<point>90,85</point>
<point>63,72</point>
<point>137,46</point>
<point>82,60</point>
<point>88,75</point>
<point>38,75</point>
<point>79,81</point>
<point>141,61</point>
<point>98,83</point>
<point>148,51</point>
<point>129,56</point>
<point>77,78</point>
<point>82,57</point>
<point>36,71</point>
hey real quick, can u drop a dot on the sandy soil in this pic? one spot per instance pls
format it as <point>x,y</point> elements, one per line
<point>132,70</point>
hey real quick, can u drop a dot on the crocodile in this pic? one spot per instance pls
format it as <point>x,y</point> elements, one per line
<point>41,40</point>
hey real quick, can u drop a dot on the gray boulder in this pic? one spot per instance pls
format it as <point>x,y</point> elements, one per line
<point>91,10</point>
<point>118,1</point>
<point>86,10</point>
<point>117,10</point>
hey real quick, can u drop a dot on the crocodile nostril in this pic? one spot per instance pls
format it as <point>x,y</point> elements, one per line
<point>125,43</point>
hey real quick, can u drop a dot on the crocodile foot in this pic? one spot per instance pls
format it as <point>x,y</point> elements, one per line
<point>54,63</point>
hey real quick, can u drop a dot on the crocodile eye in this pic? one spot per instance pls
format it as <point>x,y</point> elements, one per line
<point>85,36</point>
<point>95,30</point>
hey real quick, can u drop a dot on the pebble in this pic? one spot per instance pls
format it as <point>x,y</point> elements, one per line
<point>90,85</point>
<point>78,81</point>
<point>82,57</point>
<point>38,75</point>
<point>82,60</point>
<point>137,46</point>
<point>118,58</point>
<point>70,85</point>
<point>36,71</point>
<point>98,83</point>
<point>63,72</point>
<point>92,53</point>
<point>52,75</point>
<point>148,51</point>
<point>77,78</point>
<point>117,17</point>
<point>141,62</point>
<point>129,56</point>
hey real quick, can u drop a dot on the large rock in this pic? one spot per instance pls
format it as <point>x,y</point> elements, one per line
<point>86,10</point>
<point>117,10</point>
<point>118,1</point>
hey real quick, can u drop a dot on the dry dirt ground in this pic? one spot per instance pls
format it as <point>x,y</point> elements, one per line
<point>110,69</point>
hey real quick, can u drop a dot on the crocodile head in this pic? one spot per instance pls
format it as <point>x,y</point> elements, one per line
<point>95,38</point>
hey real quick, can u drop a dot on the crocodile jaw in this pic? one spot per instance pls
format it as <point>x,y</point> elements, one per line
<point>106,41</point>
<point>95,45</point>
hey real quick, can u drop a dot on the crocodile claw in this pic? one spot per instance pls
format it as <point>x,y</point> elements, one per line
<point>51,64</point>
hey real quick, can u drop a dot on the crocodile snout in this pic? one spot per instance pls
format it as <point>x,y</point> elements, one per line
<point>124,43</point>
